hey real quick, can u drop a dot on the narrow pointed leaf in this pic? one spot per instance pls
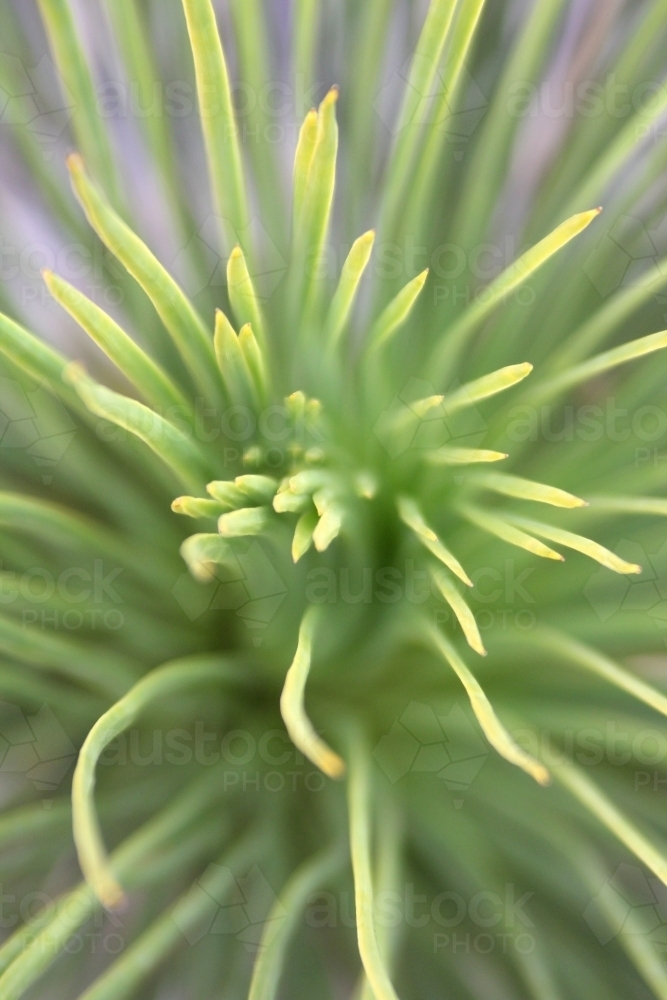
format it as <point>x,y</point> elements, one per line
<point>242,294</point>
<point>37,359</point>
<point>142,371</point>
<point>79,93</point>
<point>179,317</point>
<point>291,503</point>
<point>218,120</point>
<point>232,362</point>
<point>328,527</point>
<point>525,489</point>
<point>493,729</point>
<point>302,162</point>
<point>597,803</point>
<point>348,286</point>
<point>655,506</point>
<point>147,952</point>
<point>464,456</point>
<point>422,77</point>
<point>411,515</point>
<point>259,489</point>
<point>322,173</point>
<point>396,313</point>
<point>359,811</point>
<point>292,707</point>
<point>466,618</point>
<point>303,534</point>
<point>453,339</point>
<point>307,18</point>
<point>87,835</point>
<point>603,322</point>
<point>283,921</point>
<point>227,492</point>
<point>603,666</point>
<point>176,450</point>
<point>507,532</point>
<point>576,542</point>
<point>203,552</point>
<point>601,363</point>
<point>254,357</point>
<point>93,667</point>
<point>488,385</point>
<point>198,507</point>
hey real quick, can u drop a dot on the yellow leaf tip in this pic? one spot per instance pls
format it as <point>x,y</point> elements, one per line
<point>333,766</point>
<point>74,161</point>
<point>111,896</point>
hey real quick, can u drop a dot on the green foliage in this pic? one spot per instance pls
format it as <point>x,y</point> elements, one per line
<point>335,400</point>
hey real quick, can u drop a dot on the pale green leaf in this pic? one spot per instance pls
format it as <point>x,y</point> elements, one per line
<point>218,120</point>
<point>452,340</point>
<point>396,313</point>
<point>168,442</point>
<point>154,384</point>
<point>186,328</point>
<point>292,708</point>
